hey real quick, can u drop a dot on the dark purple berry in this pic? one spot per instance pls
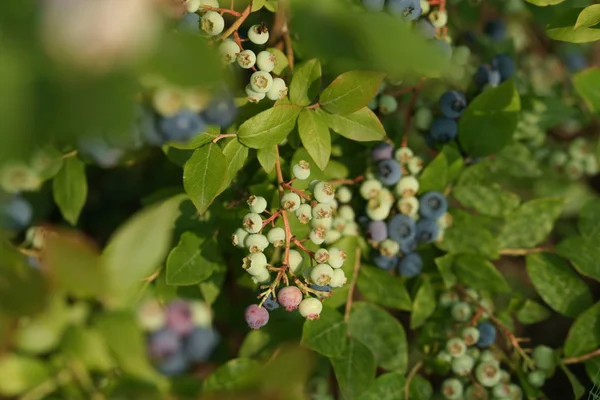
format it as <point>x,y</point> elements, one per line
<point>200,343</point>
<point>382,151</point>
<point>377,231</point>
<point>179,317</point>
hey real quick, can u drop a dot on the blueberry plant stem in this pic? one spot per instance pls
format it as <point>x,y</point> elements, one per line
<point>409,378</point>
<point>223,136</point>
<point>524,252</point>
<point>582,358</point>
<point>359,178</point>
<point>236,25</point>
<point>352,285</point>
<point>222,10</point>
<point>297,191</point>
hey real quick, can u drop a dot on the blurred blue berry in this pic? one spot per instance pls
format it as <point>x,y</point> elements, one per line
<point>453,103</point>
<point>575,61</point>
<point>410,265</point>
<point>382,151</point>
<point>270,303</point>
<point>163,343</point>
<point>427,230</point>
<point>443,130</point>
<point>401,228</point>
<point>409,10</point>
<point>221,111</point>
<point>373,5</point>
<point>409,246</point>
<point>505,66</point>
<point>15,214</point>
<point>425,28</point>
<point>377,231</point>
<point>190,23</point>
<point>487,334</point>
<point>98,149</point>
<point>433,205</point>
<point>388,172</point>
<point>487,75</point>
<point>384,262</point>
<point>495,29</point>
<point>174,364</point>
<point>182,126</point>
<point>200,343</point>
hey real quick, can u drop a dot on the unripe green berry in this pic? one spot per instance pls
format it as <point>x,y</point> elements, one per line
<point>317,236</point>
<point>472,294</point>
<point>276,237</point>
<point>476,392</point>
<point>452,389</point>
<point>536,378</point>
<point>212,23</point>
<point>262,276</point>
<point>167,101</point>
<point>378,213</point>
<point>258,34</point>
<point>321,274</point>
<point>488,356</point>
<point>461,55</point>
<point>253,97</point>
<point>438,18</point>
<point>408,206</point>
<point>265,61</point>
<point>339,224</point>
<point>351,229</point>
<point>408,186</point>
<point>387,104</point>
<point>321,256</point>
<point>295,260</point>
<point>322,223</point>
<point>415,165</point>
<point>304,213</point>
<point>544,357</point>
<point>474,352</point>
<point>252,223</point>
<point>444,356</point>
<point>343,194</point>
<point>448,299</point>
<point>370,188</point>
<point>336,257</point>
<point>254,263</point>
<point>470,335</point>
<point>463,365</point>
<point>322,211</point>
<point>488,373</point>
<point>301,170</point>
<point>423,118</point>
<point>310,308</point>
<point>261,81</point>
<point>239,237</point>
<point>425,7</point>
<point>246,59</point>
<point>256,243</point>
<point>404,155</point>
<point>278,90</point>
<point>389,248</point>
<point>338,279</point>
<point>332,236</point>
<point>290,201</point>
<point>461,311</point>
<point>258,204</point>
<point>504,376</point>
<point>324,192</point>
<point>456,347</point>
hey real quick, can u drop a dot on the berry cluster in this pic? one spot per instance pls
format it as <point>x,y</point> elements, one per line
<point>396,222</point>
<point>178,335</point>
<point>303,288</point>
<point>409,10</point>
<point>576,162</point>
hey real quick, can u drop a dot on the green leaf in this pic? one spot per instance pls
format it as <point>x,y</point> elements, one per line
<point>558,285</point>
<point>478,273</point>
<point>281,61</point>
<point>192,261</point>
<point>235,154</point>
<point>350,91</point>
<point>587,85</point>
<point>210,133</point>
<point>211,288</point>
<point>578,388</point>
<point>326,335</point>
<point>361,126</point>
<point>43,332</point>
<point>532,313</point>
<point>257,5</point>
<point>455,162</point>
<point>530,224</point>
<point>420,389</point>
<point>388,386</point>
<point>490,120</point>
<point>204,175</point>
<point>70,189</point>
<point>469,234</point>
<point>544,3</point>
<point>570,34</point>
<point>379,287</point>
<point>423,305</point>
<point>487,200</point>
<point>132,253</point>
<point>128,345</point>
<point>236,374</point>
<point>435,175</point>
<point>354,369</point>
<point>20,373</point>
<point>589,16</point>
<point>88,346</point>
<point>584,335</point>
<point>444,265</point>
<point>315,136</point>
<point>306,83</point>
<point>381,333</point>
<point>589,218</point>
<point>267,156</point>
<point>583,252</point>
<point>269,127</point>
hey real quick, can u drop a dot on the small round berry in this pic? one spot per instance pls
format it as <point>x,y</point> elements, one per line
<point>265,61</point>
<point>487,334</point>
<point>463,365</point>
<point>488,373</point>
<point>200,343</point>
<point>488,356</point>
<point>289,297</point>
<point>487,76</point>
<point>317,236</point>
<point>438,18</point>
<point>261,81</point>
<point>387,104</point>
<point>389,248</point>
<point>163,343</point>
<point>321,256</point>
<point>256,317</point>
<point>452,389</point>
<point>343,194</point>
<point>258,204</point>
<point>461,311</point>
<point>409,206</point>
<point>415,165</point>
<point>332,236</point>
<point>544,358</point>
<point>470,335</point>
<point>221,110</point>
<point>444,130</point>
<point>388,172</point>
<point>179,317</point>
<point>326,289</point>
<point>322,223</point>
<point>276,237</point>
<point>295,260</point>
<point>404,155</point>
<point>377,231</point>
<point>472,294</point>
<point>167,101</point>
<point>338,279</point>
<point>443,356</point>
<point>258,34</point>
<point>423,118</point>
<point>495,29</point>
<point>182,126</point>
<point>443,47</point>
<point>151,316</point>
<point>401,228</point>
<point>505,65</point>
<point>290,201</point>
<point>253,97</point>
<point>322,210</point>
<point>382,151</point>
<point>262,277</point>
<point>448,299</point>
<point>456,347</point>
<point>336,257</point>
<point>370,189</point>
<point>379,211</point>
<point>304,213</point>
<point>270,304</point>
<point>476,392</point>
<point>408,10</point>
<point>193,5</point>
<point>461,55</point>
<point>212,23</point>
<point>256,243</point>
<point>324,192</point>
<point>501,391</point>
<point>321,274</point>
<point>252,223</point>
<point>383,262</point>
<point>301,170</point>
<point>408,186</point>
<point>246,59</point>
<point>427,230</point>
<point>15,214</point>
<point>278,90</point>
<point>254,263</point>
<point>229,50</point>
<point>474,352</point>
<point>410,265</point>
<point>310,308</point>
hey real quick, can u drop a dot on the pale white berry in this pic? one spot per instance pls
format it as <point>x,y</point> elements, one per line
<point>438,18</point>
<point>310,308</point>
<point>295,260</point>
<point>239,237</point>
<point>404,154</point>
<point>301,170</point>
<point>265,61</point>
<point>351,229</point>
<point>256,243</point>
<point>261,81</point>
<point>246,59</point>
<point>258,34</point>
<point>346,212</point>
<point>343,194</point>
<point>322,223</point>
<point>276,236</point>
<point>212,23</point>
<point>290,201</point>
<point>322,211</point>
<point>321,274</point>
<point>252,223</point>
<point>258,204</point>
<point>278,90</point>
<point>304,213</point>
<point>253,97</point>
<point>263,276</point>
<point>228,49</point>
<point>321,256</point>
<point>336,257</point>
<point>408,206</point>
<point>338,279</point>
<point>324,192</point>
<point>370,188</point>
<point>332,236</point>
<point>408,186</point>
<point>317,236</point>
<point>254,263</point>
<point>415,165</point>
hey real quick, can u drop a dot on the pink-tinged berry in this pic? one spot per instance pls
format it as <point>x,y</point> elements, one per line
<point>179,317</point>
<point>256,316</point>
<point>290,297</point>
<point>310,308</point>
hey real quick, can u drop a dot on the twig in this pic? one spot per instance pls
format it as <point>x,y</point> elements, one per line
<point>409,378</point>
<point>238,22</point>
<point>524,252</point>
<point>297,191</point>
<point>223,136</point>
<point>585,357</point>
<point>313,106</point>
<point>303,248</point>
<point>352,285</point>
<point>289,50</point>
<point>409,112</point>
<point>347,181</point>
<point>271,218</point>
<point>222,10</point>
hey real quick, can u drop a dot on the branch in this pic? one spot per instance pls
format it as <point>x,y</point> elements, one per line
<point>347,181</point>
<point>524,252</point>
<point>222,10</point>
<point>303,248</point>
<point>297,191</point>
<point>409,378</point>
<point>352,285</point>
<point>223,136</point>
<point>271,218</point>
<point>238,22</point>
<point>585,357</point>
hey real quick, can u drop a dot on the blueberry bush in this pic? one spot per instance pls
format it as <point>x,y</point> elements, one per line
<point>298,199</point>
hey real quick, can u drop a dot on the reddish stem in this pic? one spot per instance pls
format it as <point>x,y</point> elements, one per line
<point>297,191</point>
<point>301,246</point>
<point>347,181</point>
<point>222,10</point>
<point>271,218</point>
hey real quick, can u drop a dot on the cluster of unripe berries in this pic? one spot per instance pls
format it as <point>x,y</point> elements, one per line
<point>325,272</point>
<point>396,221</point>
<point>178,335</point>
<point>576,162</point>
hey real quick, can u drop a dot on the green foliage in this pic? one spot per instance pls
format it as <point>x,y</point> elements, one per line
<point>584,84</point>
<point>379,288</point>
<point>354,369</point>
<point>327,335</point>
<point>70,189</point>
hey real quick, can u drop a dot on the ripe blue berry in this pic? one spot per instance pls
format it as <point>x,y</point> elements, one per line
<point>383,262</point>
<point>443,130</point>
<point>487,334</point>
<point>427,230</point>
<point>463,365</point>
<point>15,214</point>
<point>377,231</point>
<point>221,110</point>
<point>179,317</point>
<point>189,23</point>
<point>289,297</point>
<point>174,364</point>
<point>453,103</point>
<point>388,172</point>
<point>487,75</point>
<point>163,343</point>
<point>409,10</point>
<point>505,65</point>
<point>544,357</point>
<point>382,151</point>
<point>495,29</point>
<point>452,389</point>
<point>433,205</point>
<point>320,288</point>
<point>575,61</point>
<point>408,247</point>
<point>410,265</point>
<point>256,317</point>
<point>270,304</point>
<point>374,5</point>
<point>200,343</point>
<point>182,126</point>
<point>401,228</point>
